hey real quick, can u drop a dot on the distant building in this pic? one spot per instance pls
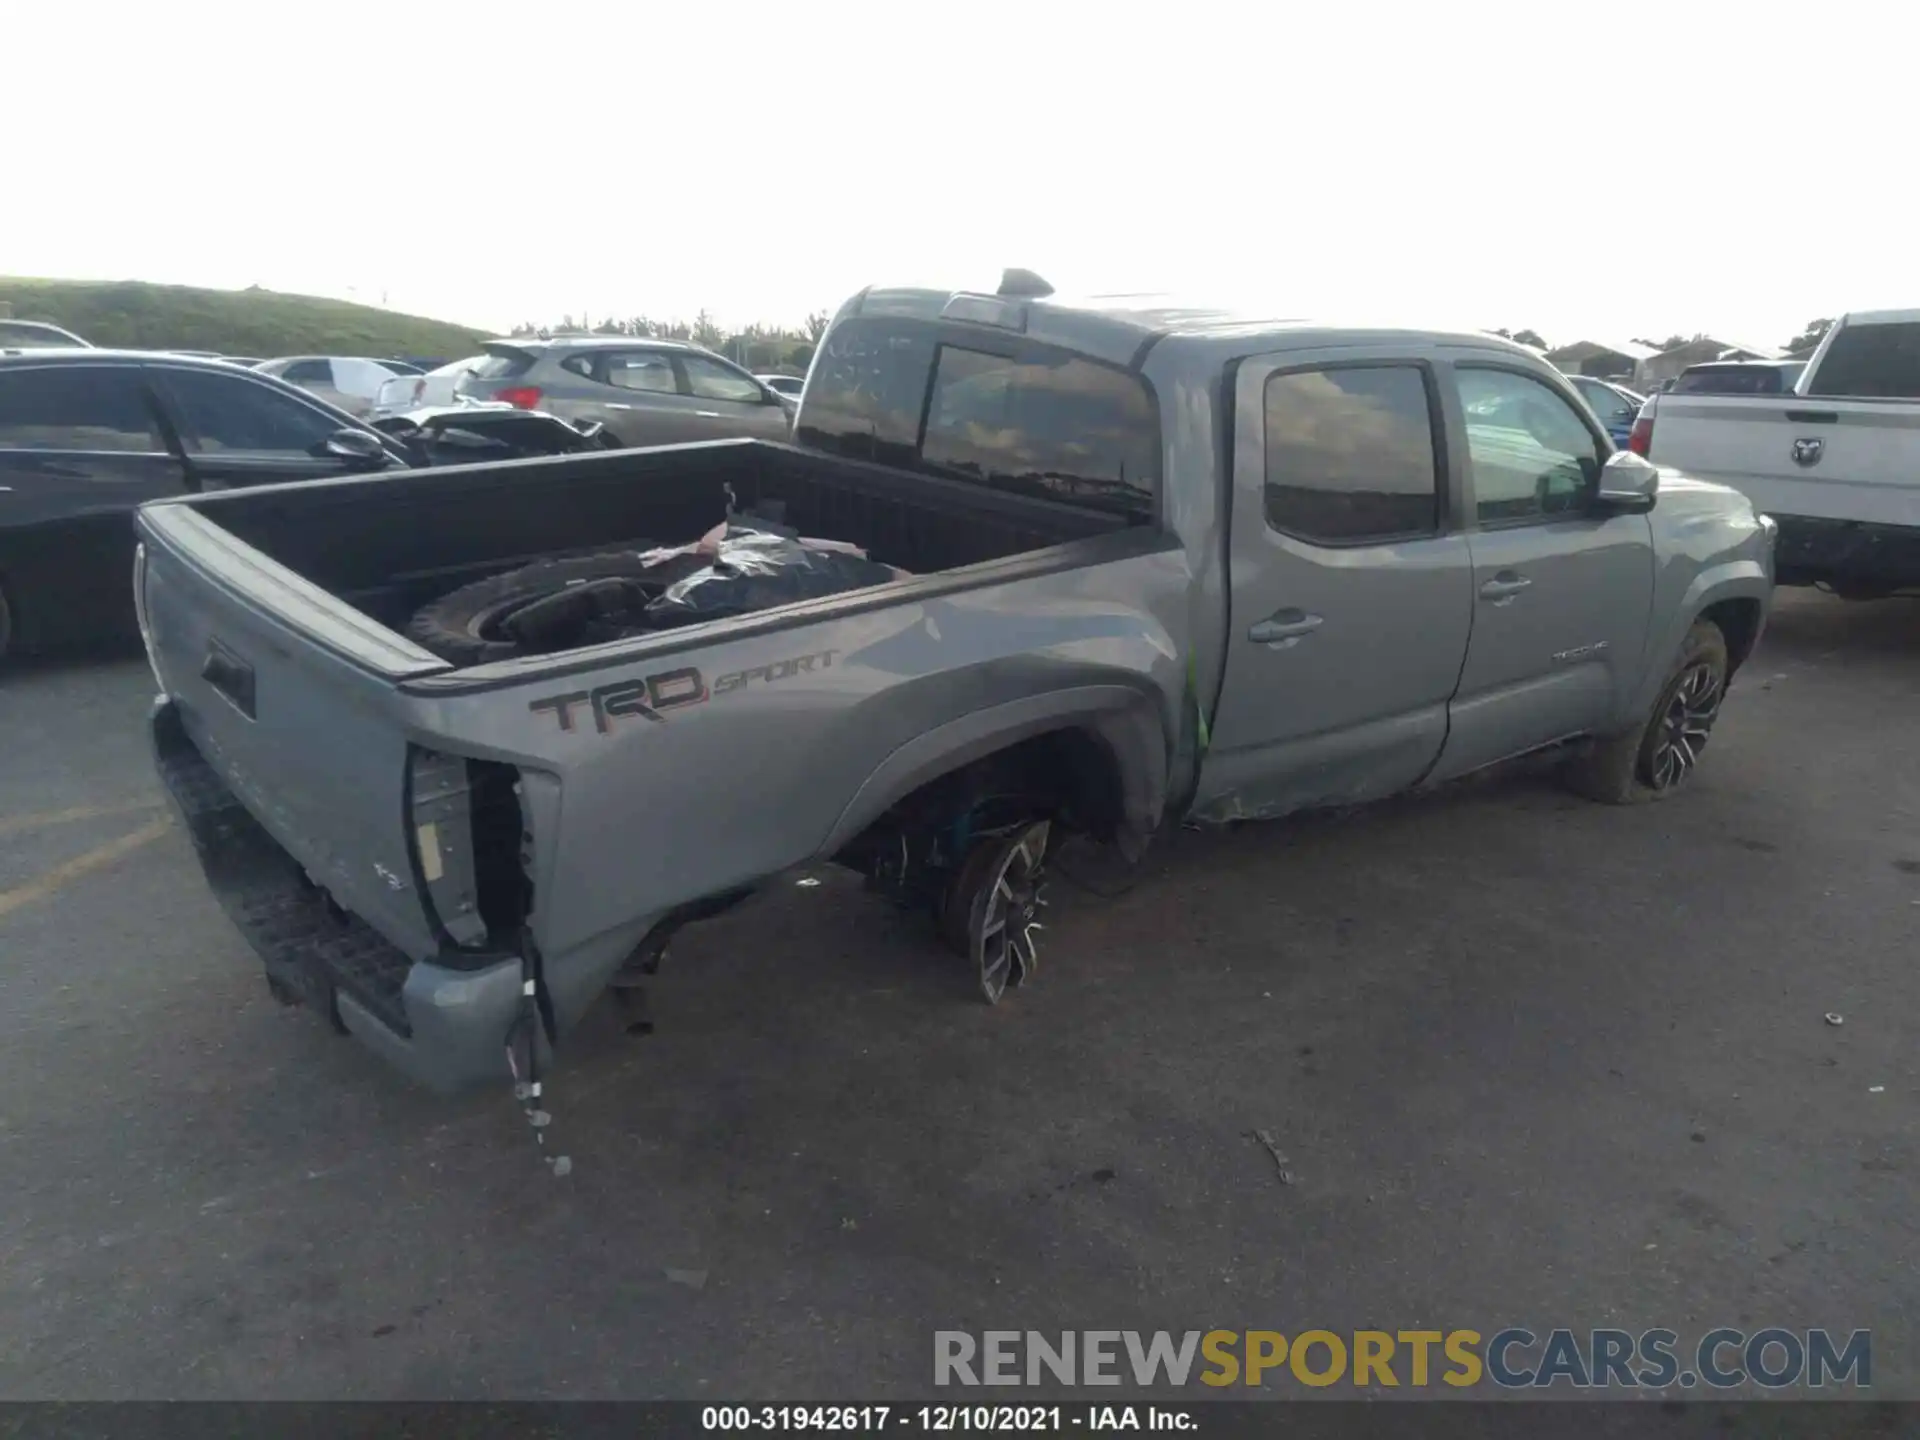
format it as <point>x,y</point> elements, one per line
<point>1669,363</point>
<point>1607,359</point>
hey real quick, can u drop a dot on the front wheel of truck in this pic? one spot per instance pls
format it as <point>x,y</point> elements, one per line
<point>1655,760</point>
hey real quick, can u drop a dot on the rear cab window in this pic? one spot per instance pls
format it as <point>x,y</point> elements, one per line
<point>1876,362</point>
<point>1037,421</point>
<point>1731,380</point>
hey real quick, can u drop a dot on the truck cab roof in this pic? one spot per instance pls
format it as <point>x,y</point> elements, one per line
<point>1120,329</point>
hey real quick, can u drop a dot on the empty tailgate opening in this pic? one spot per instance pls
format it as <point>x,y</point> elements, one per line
<point>470,850</point>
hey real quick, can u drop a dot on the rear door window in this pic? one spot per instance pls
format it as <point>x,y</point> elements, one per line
<point>647,370</point>
<point>710,380</point>
<point>1350,454</point>
<point>1871,361</point>
<point>83,408</point>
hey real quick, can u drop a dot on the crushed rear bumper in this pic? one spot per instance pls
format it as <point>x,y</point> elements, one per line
<point>446,1027</point>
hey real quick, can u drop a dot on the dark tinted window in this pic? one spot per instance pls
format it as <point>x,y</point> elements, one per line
<point>1057,426</point>
<point>308,372</point>
<point>227,413</point>
<point>77,407</point>
<point>1068,429</point>
<point>1731,380</point>
<point>1350,454</point>
<point>866,390</point>
<point>1532,455</point>
<point>503,365</point>
<point>1872,360</point>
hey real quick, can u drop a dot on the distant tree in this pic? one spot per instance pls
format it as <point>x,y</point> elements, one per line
<point>707,331</point>
<point>1676,340</point>
<point>818,321</point>
<point>1529,337</point>
<point>1809,337</point>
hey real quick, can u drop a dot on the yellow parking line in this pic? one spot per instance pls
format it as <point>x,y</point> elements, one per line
<point>63,875</point>
<point>47,818</point>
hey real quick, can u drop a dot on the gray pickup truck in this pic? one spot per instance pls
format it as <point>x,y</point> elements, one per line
<point>1162,564</point>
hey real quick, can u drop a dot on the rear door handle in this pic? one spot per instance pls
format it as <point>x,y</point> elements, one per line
<point>1284,629</point>
<point>1503,587</point>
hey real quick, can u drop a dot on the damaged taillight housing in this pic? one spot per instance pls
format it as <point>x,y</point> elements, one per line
<point>469,842</point>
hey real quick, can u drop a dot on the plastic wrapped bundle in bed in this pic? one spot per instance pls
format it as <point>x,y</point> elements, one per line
<point>756,566</point>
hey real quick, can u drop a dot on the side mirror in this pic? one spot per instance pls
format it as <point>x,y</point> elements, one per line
<point>1628,484</point>
<point>358,448</point>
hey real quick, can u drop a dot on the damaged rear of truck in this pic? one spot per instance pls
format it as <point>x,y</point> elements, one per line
<point>452,863</point>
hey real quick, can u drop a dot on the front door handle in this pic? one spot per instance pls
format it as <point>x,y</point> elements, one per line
<point>1284,629</point>
<point>1503,587</point>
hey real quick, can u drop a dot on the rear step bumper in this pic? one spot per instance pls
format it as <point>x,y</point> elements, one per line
<point>1846,552</point>
<point>446,1028</point>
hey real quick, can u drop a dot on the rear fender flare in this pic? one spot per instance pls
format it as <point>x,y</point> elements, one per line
<point>1127,720</point>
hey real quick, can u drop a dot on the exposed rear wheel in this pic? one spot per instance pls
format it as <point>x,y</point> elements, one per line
<point>992,914</point>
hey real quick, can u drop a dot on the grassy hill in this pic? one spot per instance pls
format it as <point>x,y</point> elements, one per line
<point>136,315</point>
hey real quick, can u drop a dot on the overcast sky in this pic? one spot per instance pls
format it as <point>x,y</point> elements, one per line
<point>1593,170</point>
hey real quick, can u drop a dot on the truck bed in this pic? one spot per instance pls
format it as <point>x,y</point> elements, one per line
<point>387,544</point>
<point>309,746</point>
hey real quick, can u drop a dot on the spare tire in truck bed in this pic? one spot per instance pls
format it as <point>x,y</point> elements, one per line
<point>549,605</point>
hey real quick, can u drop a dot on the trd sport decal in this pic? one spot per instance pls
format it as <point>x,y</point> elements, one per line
<point>654,695</point>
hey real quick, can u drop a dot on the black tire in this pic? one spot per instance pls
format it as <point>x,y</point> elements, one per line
<point>1652,762</point>
<point>6,623</point>
<point>494,619</point>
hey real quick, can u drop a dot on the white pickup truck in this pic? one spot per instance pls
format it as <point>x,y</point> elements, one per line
<point>1836,463</point>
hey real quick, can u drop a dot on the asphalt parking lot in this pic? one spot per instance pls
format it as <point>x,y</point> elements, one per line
<point>1531,1061</point>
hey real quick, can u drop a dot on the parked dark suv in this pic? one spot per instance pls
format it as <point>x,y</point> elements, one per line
<point>86,435</point>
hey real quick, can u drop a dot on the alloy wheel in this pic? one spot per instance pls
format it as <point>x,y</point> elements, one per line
<point>1005,915</point>
<point>1683,727</point>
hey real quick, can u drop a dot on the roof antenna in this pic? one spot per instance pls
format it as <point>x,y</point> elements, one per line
<point>1023,282</point>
